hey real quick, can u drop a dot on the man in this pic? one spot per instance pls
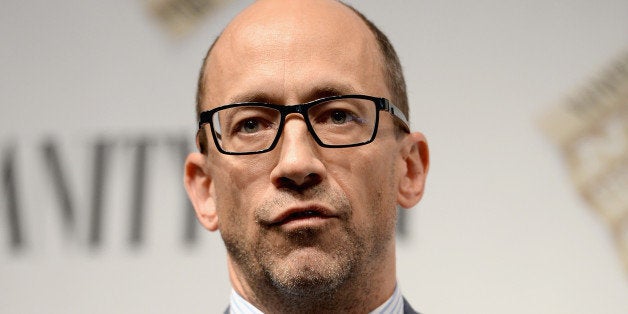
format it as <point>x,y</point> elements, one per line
<point>305,158</point>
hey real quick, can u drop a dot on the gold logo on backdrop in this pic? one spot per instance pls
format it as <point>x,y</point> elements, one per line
<point>179,17</point>
<point>591,128</point>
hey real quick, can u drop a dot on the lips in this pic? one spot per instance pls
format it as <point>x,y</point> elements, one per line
<point>302,214</point>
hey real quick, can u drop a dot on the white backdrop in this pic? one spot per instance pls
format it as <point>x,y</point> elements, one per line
<point>500,230</point>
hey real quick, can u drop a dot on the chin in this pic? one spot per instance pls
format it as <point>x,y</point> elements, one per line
<point>310,272</point>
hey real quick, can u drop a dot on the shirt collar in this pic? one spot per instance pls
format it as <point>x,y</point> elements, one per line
<point>394,305</point>
<point>237,305</point>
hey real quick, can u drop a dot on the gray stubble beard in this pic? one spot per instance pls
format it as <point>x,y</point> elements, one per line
<point>302,290</point>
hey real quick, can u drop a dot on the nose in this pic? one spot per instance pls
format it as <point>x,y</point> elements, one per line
<point>299,166</point>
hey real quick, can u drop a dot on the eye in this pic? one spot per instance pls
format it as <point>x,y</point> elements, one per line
<point>338,117</point>
<point>250,126</point>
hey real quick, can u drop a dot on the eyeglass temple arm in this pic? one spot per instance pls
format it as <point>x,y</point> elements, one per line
<point>392,109</point>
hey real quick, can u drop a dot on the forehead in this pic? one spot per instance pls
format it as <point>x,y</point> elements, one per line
<point>282,50</point>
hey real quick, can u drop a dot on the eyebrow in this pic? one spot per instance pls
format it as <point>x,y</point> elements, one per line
<point>255,96</point>
<point>325,90</point>
<point>328,91</point>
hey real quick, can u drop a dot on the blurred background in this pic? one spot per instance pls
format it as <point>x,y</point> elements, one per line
<point>97,114</point>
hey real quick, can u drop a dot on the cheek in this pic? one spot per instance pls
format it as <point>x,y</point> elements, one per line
<point>368,180</point>
<point>239,183</point>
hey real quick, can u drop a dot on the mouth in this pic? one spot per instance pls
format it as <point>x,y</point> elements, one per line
<point>302,217</point>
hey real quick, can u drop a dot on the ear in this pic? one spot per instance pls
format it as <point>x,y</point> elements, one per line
<point>198,184</point>
<point>416,161</point>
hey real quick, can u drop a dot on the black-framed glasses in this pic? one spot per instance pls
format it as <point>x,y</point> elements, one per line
<point>336,121</point>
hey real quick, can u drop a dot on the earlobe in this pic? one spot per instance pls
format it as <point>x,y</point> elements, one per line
<point>198,184</point>
<point>416,160</point>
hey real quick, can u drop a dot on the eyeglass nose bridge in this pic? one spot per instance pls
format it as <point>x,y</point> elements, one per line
<point>301,109</point>
<point>298,108</point>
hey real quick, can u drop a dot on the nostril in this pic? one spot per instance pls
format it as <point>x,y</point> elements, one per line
<point>307,182</point>
<point>311,180</point>
<point>284,182</point>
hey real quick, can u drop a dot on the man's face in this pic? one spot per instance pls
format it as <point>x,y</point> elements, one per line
<point>302,218</point>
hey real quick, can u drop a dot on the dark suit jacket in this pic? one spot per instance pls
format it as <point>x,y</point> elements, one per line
<point>407,309</point>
